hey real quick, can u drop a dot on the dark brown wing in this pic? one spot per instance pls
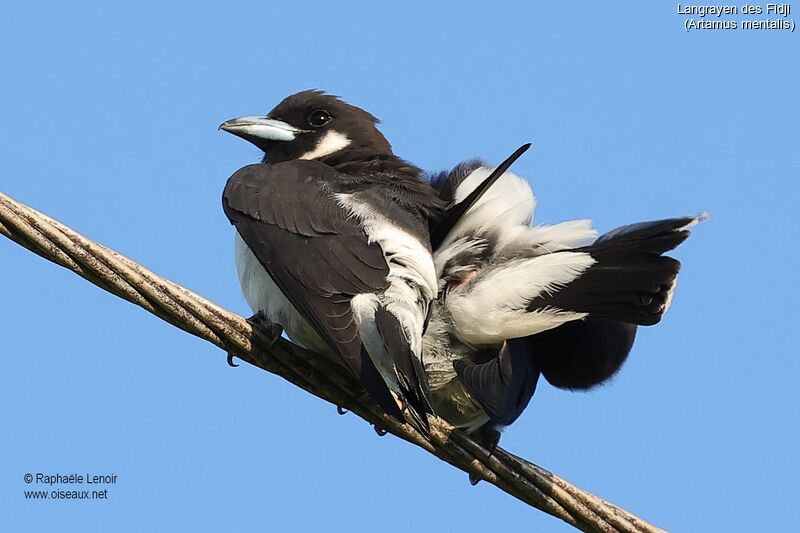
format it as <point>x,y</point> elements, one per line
<point>317,255</point>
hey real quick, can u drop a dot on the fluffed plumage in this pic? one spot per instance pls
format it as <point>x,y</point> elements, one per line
<point>517,301</point>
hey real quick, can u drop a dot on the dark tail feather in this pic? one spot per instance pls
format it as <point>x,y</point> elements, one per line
<point>631,281</point>
<point>656,237</point>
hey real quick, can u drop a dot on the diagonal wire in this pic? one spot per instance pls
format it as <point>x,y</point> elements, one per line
<point>318,374</point>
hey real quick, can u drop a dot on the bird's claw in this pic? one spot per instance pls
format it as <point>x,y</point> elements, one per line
<point>488,437</point>
<point>269,328</point>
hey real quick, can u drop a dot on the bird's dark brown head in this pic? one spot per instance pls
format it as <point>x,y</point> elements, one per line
<point>313,125</point>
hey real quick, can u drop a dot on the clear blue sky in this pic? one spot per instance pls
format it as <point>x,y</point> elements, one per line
<point>108,122</point>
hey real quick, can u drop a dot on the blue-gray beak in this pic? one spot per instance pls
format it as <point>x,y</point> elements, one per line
<point>256,127</point>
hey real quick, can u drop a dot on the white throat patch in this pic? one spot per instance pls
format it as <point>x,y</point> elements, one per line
<point>331,142</point>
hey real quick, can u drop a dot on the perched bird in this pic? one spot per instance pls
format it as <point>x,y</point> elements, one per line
<point>332,242</point>
<point>518,301</point>
<point>440,296</point>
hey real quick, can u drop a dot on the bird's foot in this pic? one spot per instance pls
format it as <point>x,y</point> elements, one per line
<point>269,328</point>
<point>488,437</point>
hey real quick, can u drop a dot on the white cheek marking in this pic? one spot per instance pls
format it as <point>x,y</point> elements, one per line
<point>331,142</point>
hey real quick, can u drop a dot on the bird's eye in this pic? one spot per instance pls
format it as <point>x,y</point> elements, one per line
<point>319,117</point>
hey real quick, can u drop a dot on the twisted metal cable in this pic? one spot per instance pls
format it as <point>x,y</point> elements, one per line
<point>315,373</point>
